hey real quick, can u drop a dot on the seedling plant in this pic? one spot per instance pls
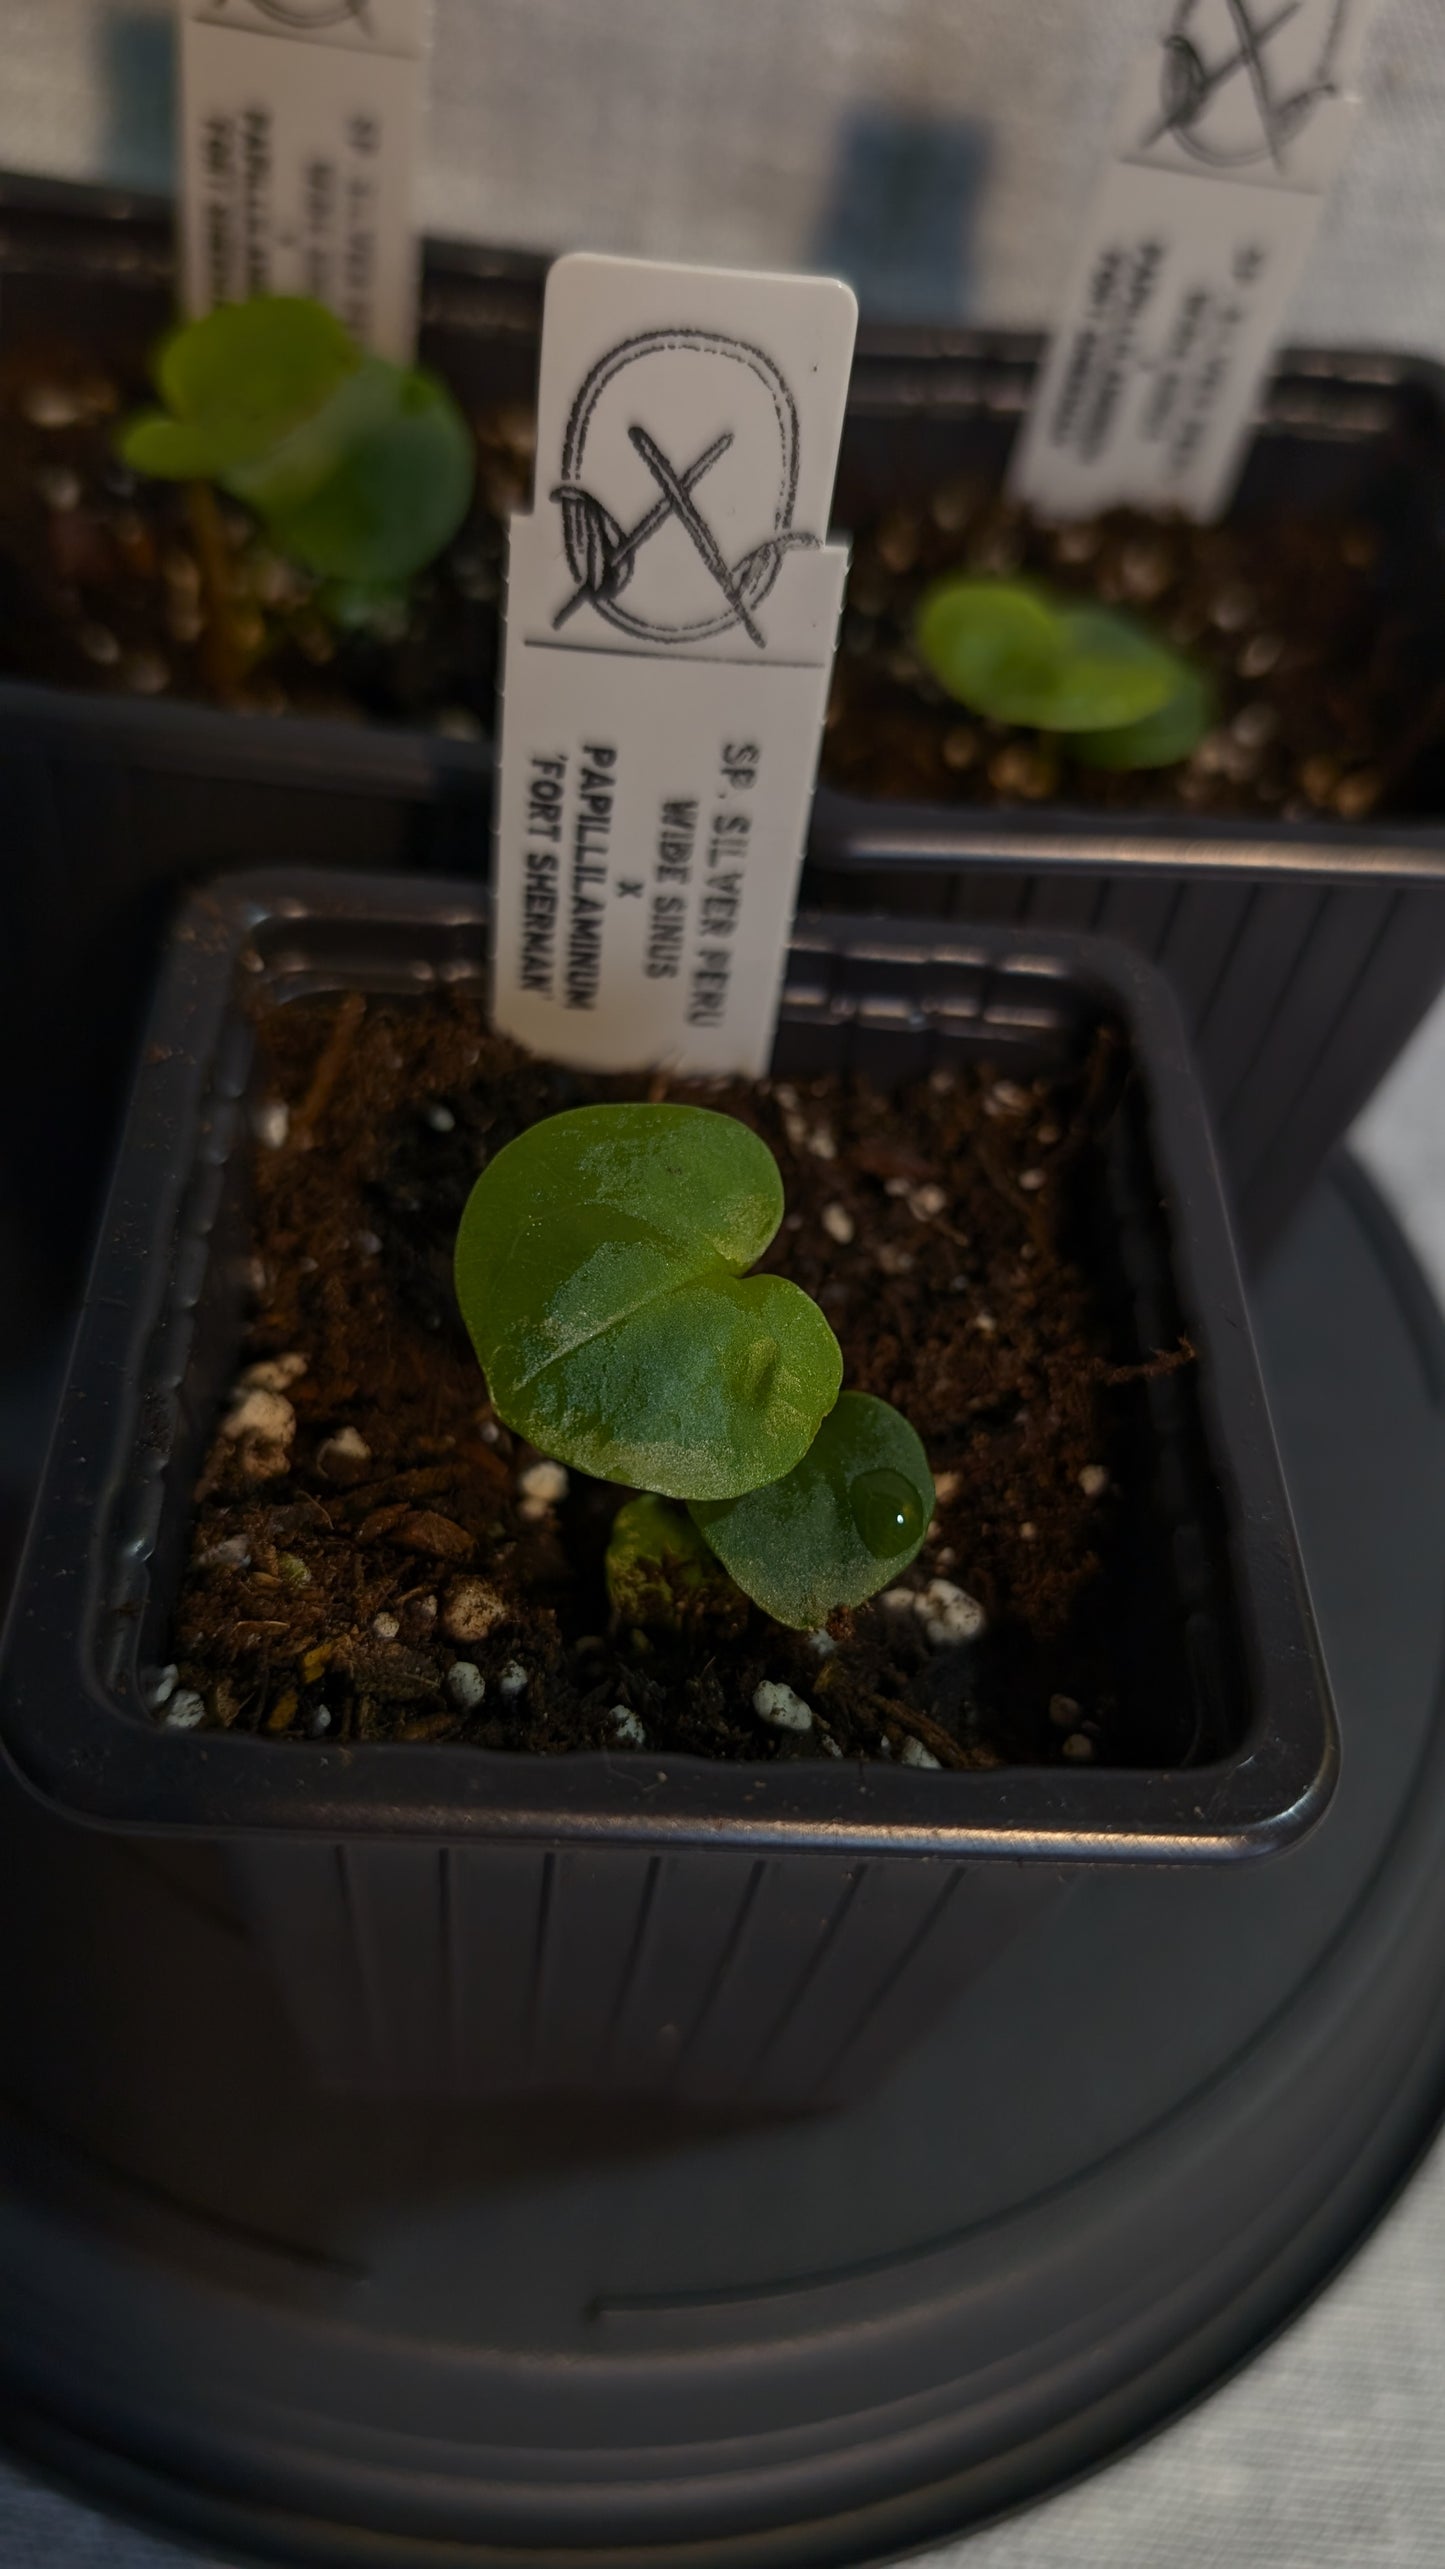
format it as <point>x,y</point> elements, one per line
<point>1020,653</point>
<point>359,470</point>
<point>603,1267</point>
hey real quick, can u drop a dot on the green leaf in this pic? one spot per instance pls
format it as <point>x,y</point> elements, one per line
<point>1115,672</point>
<point>170,450</point>
<point>661,1572</point>
<point>1010,651</point>
<point>843,1523</point>
<point>992,643</point>
<point>362,470</point>
<point>249,373</point>
<point>1157,740</point>
<point>375,484</point>
<point>600,1269</point>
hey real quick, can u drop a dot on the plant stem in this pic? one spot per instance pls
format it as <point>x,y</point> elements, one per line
<point>930,1735</point>
<point>220,654</point>
<point>328,1070</point>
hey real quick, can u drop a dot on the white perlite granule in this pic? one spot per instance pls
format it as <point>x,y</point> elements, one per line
<point>777,1705</point>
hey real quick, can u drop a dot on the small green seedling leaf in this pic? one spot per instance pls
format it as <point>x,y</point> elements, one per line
<point>660,1571</point>
<point>1114,672</point>
<point>1009,650</point>
<point>992,643</point>
<point>237,382</point>
<point>360,469</point>
<point>601,1270</point>
<point>843,1523</point>
<point>396,486</point>
<point>169,450</point>
<point>1172,732</point>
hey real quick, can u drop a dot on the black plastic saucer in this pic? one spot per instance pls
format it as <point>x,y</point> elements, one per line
<point>328,2332</point>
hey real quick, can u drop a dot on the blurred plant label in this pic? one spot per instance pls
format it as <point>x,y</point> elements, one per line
<point>672,609</point>
<point>299,123</point>
<point>1235,123</point>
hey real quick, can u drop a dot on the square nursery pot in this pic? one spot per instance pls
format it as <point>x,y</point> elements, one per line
<point>1301,966</point>
<point>443,1919</point>
<point>1302,954</point>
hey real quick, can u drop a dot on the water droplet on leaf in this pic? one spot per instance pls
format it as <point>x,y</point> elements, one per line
<point>887,1511</point>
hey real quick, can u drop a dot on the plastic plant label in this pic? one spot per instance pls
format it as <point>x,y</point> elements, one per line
<point>1234,125</point>
<point>672,610</point>
<point>299,122</point>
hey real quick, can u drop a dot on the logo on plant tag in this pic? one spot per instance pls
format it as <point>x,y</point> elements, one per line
<point>309,17</point>
<point>679,482</point>
<point>1240,80</point>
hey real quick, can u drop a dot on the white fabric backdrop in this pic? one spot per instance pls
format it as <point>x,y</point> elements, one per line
<point>945,149</point>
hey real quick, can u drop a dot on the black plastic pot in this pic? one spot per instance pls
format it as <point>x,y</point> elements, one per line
<point>1301,967</point>
<point>112,804</point>
<point>447,1919</point>
<point>1303,954</point>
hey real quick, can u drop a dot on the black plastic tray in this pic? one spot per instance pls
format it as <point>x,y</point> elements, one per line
<point>482,2336</point>
<point>452,1917</point>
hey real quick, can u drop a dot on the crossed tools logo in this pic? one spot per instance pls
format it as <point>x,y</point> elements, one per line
<point>1240,80</point>
<point>309,17</point>
<point>668,576</point>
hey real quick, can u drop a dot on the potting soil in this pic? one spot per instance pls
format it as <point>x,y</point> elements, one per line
<point>376,1556</point>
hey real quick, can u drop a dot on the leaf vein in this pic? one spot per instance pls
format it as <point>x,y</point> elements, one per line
<point>616,1319</point>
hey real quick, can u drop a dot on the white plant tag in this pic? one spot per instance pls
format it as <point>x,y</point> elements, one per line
<point>672,607</point>
<point>299,122</point>
<point>1234,125</point>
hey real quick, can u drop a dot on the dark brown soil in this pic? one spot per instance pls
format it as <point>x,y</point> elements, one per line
<point>102,587</point>
<point>372,1526</point>
<point>1326,697</point>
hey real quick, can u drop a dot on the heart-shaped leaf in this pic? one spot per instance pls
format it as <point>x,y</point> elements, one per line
<point>1157,740</point>
<point>362,470</point>
<point>1113,673</point>
<point>844,1522</point>
<point>170,450</point>
<point>600,1269</point>
<point>1009,650</point>
<point>375,484</point>
<point>236,382</point>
